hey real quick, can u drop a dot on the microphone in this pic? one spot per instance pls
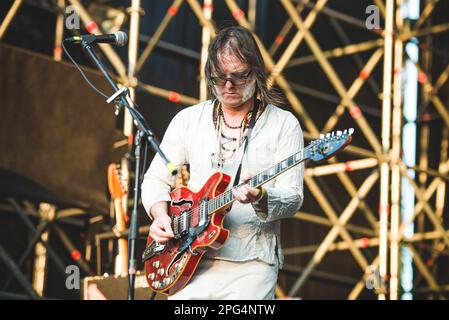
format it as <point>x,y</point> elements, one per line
<point>118,38</point>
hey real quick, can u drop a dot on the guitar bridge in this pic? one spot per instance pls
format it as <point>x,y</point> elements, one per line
<point>153,249</point>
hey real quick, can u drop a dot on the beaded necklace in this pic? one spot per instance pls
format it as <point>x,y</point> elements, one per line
<point>229,138</point>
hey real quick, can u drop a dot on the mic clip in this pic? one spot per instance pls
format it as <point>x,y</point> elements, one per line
<point>113,98</point>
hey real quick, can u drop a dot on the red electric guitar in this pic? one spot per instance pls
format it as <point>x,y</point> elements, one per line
<point>197,217</point>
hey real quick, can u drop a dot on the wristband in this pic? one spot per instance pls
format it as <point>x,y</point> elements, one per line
<point>263,192</point>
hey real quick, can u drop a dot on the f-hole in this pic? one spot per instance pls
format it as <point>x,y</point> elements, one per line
<point>182,202</point>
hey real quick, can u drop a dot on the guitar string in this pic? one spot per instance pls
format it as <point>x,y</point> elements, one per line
<point>214,202</point>
<point>195,210</point>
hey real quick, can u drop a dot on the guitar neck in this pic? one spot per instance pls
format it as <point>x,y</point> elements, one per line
<point>121,260</point>
<point>227,198</point>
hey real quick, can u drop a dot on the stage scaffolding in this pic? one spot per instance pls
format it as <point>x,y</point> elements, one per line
<point>382,160</point>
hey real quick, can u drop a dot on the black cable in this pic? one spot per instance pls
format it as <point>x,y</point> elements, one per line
<point>100,92</point>
<point>81,71</point>
<point>132,110</point>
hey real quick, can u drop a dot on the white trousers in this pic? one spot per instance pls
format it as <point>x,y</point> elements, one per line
<point>225,280</point>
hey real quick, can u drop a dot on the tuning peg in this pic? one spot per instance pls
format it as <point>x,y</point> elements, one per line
<point>332,133</point>
<point>321,136</point>
<point>345,131</point>
<point>328,135</point>
<point>351,131</point>
<point>339,133</point>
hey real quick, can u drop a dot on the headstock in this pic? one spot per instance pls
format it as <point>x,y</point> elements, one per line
<point>328,145</point>
<point>115,185</point>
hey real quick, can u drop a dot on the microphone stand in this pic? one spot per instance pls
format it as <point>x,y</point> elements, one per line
<point>144,137</point>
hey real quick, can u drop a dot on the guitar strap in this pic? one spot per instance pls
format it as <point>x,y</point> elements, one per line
<point>252,121</point>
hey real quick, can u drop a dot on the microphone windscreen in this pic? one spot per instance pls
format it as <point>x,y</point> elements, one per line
<point>122,38</point>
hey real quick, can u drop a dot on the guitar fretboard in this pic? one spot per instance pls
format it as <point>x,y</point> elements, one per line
<point>226,198</point>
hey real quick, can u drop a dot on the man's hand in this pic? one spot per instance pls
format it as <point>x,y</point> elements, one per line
<point>160,229</point>
<point>247,194</point>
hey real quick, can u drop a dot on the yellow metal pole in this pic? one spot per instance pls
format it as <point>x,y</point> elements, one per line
<point>110,53</point>
<point>252,4</point>
<point>196,7</point>
<point>347,166</point>
<point>334,78</point>
<point>338,227</point>
<point>439,105</point>
<point>296,41</point>
<point>442,169</point>
<point>426,13</point>
<point>430,214</point>
<point>381,6</point>
<point>354,110</point>
<point>358,288</point>
<point>354,89</point>
<point>423,164</point>
<point>171,12</point>
<point>9,16</point>
<point>339,52</point>
<point>285,29</point>
<point>386,125</point>
<point>443,27</point>
<point>133,47</point>
<point>59,31</point>
<point>395,157</point>
<point>169,95</point>
<point>313,218</point>
<point>421,266</point>
<point>206,36</point>
<point>281,81</point>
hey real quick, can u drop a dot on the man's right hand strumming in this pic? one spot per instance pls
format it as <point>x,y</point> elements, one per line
<point>160,229</point>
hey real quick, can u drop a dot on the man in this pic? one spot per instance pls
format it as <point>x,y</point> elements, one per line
<point>210,137</point>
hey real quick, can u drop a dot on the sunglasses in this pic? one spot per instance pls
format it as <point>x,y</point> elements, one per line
<point>237,79</point>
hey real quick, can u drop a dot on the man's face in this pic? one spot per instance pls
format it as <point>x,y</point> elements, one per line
<point>237,85</point>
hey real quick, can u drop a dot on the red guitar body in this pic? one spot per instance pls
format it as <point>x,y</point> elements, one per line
<point>170,267</point>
